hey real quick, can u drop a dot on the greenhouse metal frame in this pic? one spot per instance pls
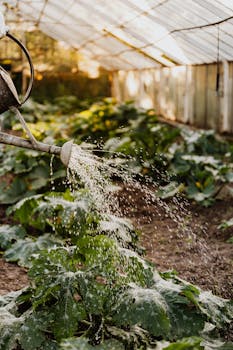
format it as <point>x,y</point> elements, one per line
<point>173,55</point>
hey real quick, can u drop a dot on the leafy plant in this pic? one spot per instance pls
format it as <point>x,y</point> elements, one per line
<point>72,216</point>
<point>26,172</point>
<point>80,293</point>
<point>97,291</point>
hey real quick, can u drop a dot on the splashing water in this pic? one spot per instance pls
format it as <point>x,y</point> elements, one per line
<point>96,175</point>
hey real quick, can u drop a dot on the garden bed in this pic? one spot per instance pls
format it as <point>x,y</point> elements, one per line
<point>205,260</point>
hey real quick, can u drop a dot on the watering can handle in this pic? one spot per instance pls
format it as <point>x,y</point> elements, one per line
<point>29,89</point>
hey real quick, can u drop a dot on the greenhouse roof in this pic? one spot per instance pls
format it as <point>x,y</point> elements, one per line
<point>134,34</point>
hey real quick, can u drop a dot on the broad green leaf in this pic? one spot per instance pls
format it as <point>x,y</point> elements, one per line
<point>217,309</point>
<point>229,176</point>
<point>23,210</point>
<point>119,229</point>
<point>99,251</point>
<point>51,271</point>
<point>182,306</point>
<point>39,177</point>
<point>67,312</point>
<point>9,329</point>
<point>33,331</point>
<point>15,191</point>
<point>135,268</point>
<point>144,307</point>
<point>189,307</point>
<point>22,250</point>
<point>10,323</point>
<point>192,343</point>
<point>133,337</point>
<point>169,190</point>
<point>10,234</point>
<point>57,282</point>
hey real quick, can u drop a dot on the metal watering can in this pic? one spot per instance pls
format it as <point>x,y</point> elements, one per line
<point>9,100</point>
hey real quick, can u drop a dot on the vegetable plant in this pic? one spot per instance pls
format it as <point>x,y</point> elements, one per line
<point>90,287</point>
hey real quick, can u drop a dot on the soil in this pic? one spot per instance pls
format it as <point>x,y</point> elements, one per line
<point>194,246</point>
<point>191,243</point>
<point>12,277</point>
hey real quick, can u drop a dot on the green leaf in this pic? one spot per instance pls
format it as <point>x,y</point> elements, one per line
<point>9,329</point>
<point>218,310</point>
<point>57,283</point>
<point>144,307</point>
<point>52,270</point>
<point>10,234</point>
<point>23,210</point>
<point>10,324</point>
<point>229,176</point>
<point>22,250</point>
<point>15,191</point>
<point>135,268</point>
<point>169,190</point>
<point>192,343</point>
<point>183,310</point>
<point>189,307</point>
<point>67,312</point>
<point>120,229</point>
<point>33,331</point>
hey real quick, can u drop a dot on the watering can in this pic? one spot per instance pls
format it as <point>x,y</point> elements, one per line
<point>9,100</point>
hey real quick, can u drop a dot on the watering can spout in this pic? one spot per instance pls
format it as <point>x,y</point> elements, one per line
<point>64,152</point>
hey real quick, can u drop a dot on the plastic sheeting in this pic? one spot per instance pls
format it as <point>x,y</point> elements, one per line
<point>134,34</point>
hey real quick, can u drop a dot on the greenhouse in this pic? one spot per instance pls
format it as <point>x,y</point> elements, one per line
<point>116,175</point>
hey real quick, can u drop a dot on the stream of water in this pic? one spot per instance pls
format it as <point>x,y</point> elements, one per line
<point>96,174</point>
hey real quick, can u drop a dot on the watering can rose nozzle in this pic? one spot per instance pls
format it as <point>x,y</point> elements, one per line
<point>66,152</point>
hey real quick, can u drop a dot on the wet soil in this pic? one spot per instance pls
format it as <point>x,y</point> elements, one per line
<point>194,246</point>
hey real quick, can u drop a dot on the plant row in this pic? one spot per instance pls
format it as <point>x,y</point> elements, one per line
<point>91,288</point>
<point>179,160</point>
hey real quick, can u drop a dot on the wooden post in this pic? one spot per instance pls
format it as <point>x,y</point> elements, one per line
<point>189,96</point>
